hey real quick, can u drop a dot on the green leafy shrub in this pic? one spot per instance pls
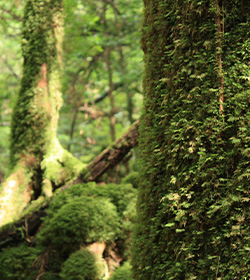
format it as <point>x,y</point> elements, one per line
<point>18,263</point>
<point>83,220</point>
<point>123,273</point>
<point>82,265</point>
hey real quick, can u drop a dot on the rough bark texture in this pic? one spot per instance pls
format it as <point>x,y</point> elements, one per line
<point>193,207</point>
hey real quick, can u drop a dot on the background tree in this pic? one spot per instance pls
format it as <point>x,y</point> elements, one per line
<point>37,158</point>
<point>34,139</point>
<point>193,198</point>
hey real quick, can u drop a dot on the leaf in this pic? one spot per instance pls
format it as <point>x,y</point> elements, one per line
<point>178,230</point>
<point>235,140</point>
<point>170,225</point>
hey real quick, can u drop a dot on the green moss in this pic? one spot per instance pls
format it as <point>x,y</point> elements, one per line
<point>47,188</point>
<point>35,115</point>
<point>128,225</point>
<point>123,272</point>
<point>82,265</point>
<point>193,169</point>
<point>119,195</point>
<point>18,263</point>
<point>34,206</point>
<point>80,221</point>
<point>59,165</point>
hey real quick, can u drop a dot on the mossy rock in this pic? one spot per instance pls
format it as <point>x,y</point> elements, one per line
<point>80,221</point>
<point>82,265</point>
<point>18,263</point>
<point>123,273</point>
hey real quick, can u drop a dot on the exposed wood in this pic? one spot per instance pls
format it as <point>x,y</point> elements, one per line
<point>110,157</point>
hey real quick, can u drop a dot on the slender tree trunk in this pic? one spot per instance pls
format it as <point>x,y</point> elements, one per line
<point>111,96</point>
<point>36,155</point>
<point>193,210</point>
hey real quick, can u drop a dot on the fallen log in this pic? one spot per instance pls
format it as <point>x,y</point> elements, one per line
<point>112,155</point>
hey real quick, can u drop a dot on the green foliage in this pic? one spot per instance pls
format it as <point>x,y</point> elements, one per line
<point>129,215</point>
<point>87,41</point>
<point>82,265</point>
<point>10,72</point>
<point>123,272</point>
<point>128,225</point>
<point>80,221</point>
<point>4,151</point>
<point>18,263</point>
<point>193,198</point>
<point>78,216</point>
<point>132,178</point>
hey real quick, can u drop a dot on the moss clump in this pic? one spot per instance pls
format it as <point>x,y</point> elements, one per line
<point>119,195</point>
<point>82,265</point>
<point>18,263</point>
<point>123,273</point>
<point>80,221</point>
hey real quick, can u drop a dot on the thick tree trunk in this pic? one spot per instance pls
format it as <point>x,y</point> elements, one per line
<point>109,158</point>
<point>37,158</point>
<point>193,206</point>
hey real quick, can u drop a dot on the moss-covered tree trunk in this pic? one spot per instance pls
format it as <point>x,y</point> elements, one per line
<point>194,142</point>
<point>39,163</point>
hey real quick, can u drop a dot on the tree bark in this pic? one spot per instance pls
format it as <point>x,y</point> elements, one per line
<point>194,144</point>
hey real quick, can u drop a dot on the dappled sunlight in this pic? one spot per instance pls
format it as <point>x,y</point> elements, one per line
<point>15,194</point>
<point>55,151</point>
<point>8,189</point>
